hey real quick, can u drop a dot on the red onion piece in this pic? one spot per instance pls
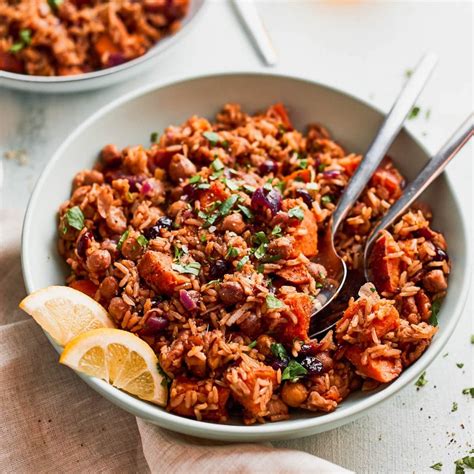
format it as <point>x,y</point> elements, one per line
<point>262,198</point>
<point>187,301</point>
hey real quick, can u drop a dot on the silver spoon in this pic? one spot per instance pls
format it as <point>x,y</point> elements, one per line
<point>427,175</point>
<point>327,255</point>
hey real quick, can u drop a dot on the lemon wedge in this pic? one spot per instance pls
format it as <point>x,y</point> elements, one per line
<point>121,359</point>
<point>65,313</point>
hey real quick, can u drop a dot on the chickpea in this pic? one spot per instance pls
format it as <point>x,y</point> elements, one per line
<point>109,287</point>
<point>118,308</point>
<point>116,220</point>
<point>110,155</point>
<point>98,261</point>
<point>264,344</point>
<point>131,249</point>
<point>181,168</point>
<point>234,223</point>
<point>177,207</point>
<point>294,394</point>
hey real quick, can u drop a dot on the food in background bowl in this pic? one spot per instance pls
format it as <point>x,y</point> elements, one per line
<point>202,245</point>
<point>68,37</point>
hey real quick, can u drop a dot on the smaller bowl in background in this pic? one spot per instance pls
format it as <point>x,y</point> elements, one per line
<point>103,77</point>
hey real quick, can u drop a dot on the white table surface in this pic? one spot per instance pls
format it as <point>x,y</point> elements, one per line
<point>362,48</point>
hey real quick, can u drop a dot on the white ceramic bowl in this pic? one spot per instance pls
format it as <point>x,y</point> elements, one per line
<point>104,77</point>
<point>130,120</point>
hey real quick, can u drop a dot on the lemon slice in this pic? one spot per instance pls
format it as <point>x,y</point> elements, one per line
<point>121,359</point>
<point>65,313</point>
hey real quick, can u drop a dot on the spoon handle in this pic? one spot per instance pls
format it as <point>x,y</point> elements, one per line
<point>426,176</point>
<point>384,138</point>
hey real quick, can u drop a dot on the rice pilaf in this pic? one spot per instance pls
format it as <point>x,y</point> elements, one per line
<point>203,246</point>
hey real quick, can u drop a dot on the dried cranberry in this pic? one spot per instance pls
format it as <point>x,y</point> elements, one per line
<point>164,222</point>
<point>303,194</point>
<point>115,59</point>
<point>218,269</point>
<point>332,174</point>
<point>313,365</point>
<point>190,192</point>
<point>84,243</point>
<point>310,348</point>
<point>276,364</point>
<point>267,167</point>
<point>133,180</point>
<point>154,324</point>
<point>263,198</point>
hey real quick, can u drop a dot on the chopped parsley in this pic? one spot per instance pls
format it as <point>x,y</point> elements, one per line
<point>122,239</point>
<point>460,365</point>
<point>468,391</point>
<point>203,186</point>
<point>232,252</point>
<point>260,251</point>
<point>217,165</point>
<point>232,185</point>
<point>25,40</point>
<point>326,199</point>
<point>421,382</point>
<point>273,302</point>
<point>472,338</point>
<point>414,112</point>
<point>435,307</point>
<point>194,179</point>
<point>437,467</point>
<point>276,230</point>
<point>245,211</point>
<point>466,461</point>
<point>321,167</point>
<point>279,351</point>
<point>260,238</point>
<point>294,371</point>
<point>454,407</point>
<point>213,138</point>
<point>242,262</point>
<point>296,212</point>
<point>408,74</point>
<point>303,164</point>
<point>228,204</point>
<point>154,137</point>
<point>142,240</point>
<point>166,380</point>
<point>192,268</point>
<point>252,344</point>
<point>248,188</point>
<point>55,4</point>
<point>203,238</point>
<point>319,285</point>
<point>75,218</point>
<point>428,114</point>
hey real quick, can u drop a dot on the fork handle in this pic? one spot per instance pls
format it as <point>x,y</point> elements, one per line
<point>384,138</point>
<point>427,175</point>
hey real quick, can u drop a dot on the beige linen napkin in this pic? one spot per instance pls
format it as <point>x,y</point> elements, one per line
<point>51,421</point>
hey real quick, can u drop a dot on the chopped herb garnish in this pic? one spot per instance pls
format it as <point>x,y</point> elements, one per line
<point>260,251</point>
<point>466,461</point>
<point>408,74</point>
<point>248,188</point>
<point>437,466</point>
<point>122,239</point>
<point>445,355</point>
<point>228,204</point>
<point>213,137</point>
<point>454,407</point>
<point>468,391</point>
<point>25,36</point>
<point>296,212</point>
<point>217,174</point>
<point>280,186</point>
<point>372,289</point>
<point>303,164</point>
<point>166,380</point>
<point>142,240</point>
<point>421,380</point>
<point>414,112</point>
<point>272,258</point>
<point>273,302</point>
<point>154,137</point>
<point>276,230</point>
<point>294,371</point>
<point>260,238</point>
<point>252,344</point>
<point>232,185</point>
<point>326,199</point>
<point>242,262</point>
<point>194,179</point>
<point>279,351</point>
<point>435,307</point>
<point>472,338</point>
<point>321,167</point>
<point>75,218</point>
<point>217,165</point>
<point>268,186</point>
<point>203,238</point>
<point>319,285</point>
<point>260,268</point>
<point>25,39</point>
<point>54,4</point>
<point>192,268</point>
<point>245,211</point>
<point>203,186</point>
<point>281,128</point>
<point>460,365</point>
<point>232,252</point>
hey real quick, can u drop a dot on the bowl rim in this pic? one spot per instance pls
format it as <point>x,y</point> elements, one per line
<point>154,51</point>
<point>288,428</point>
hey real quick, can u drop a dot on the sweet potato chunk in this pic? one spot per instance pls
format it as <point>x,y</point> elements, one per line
<point>350,163</point>
<point>279,111</point>
<point>389,178</point>
<point>299,175</point>
<point>381,369</point>
<point>301,305</point>
<point>216,410</point>
<point>298,274</point>
<point>155,268</point>
<point>385,271</point>
<point>216,192</point>
<point>85,286</point>
<point>307,243</point>
<point>104,44</point>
